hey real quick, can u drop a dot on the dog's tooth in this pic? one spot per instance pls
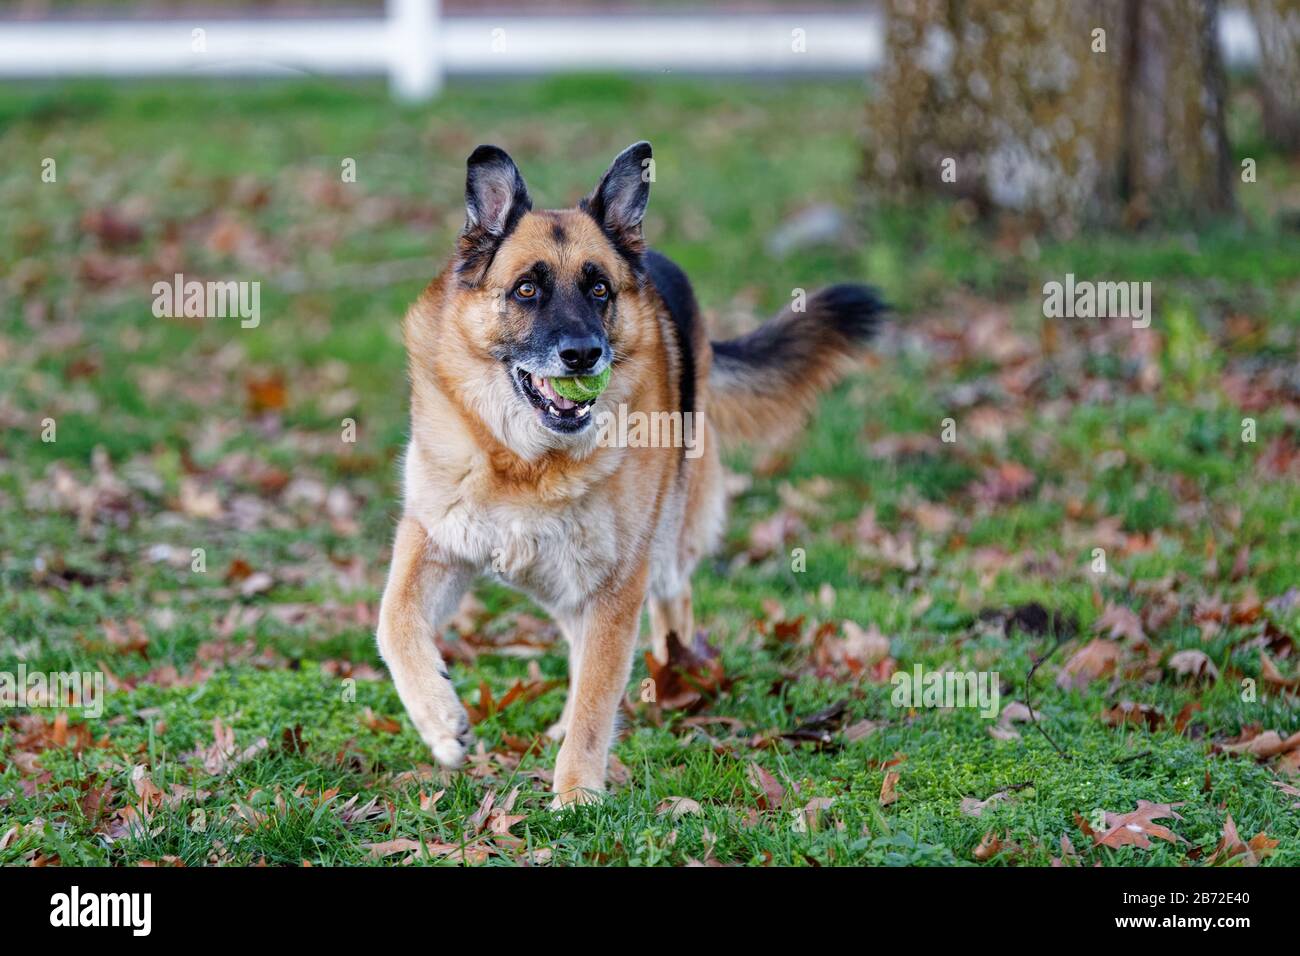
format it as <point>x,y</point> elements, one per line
<point>583,410</point>
<point>551,408</point>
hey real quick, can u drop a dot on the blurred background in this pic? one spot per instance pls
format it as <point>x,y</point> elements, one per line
<point>960,155</point>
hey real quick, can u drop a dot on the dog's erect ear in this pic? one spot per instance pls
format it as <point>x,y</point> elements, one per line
<point>619,202</point>
<point>495,194</point>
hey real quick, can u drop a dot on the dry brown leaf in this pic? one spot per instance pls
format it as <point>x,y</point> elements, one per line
<point>888,794</point>
<point>1232,848</point>
<point>1194,664</point>
<point>1271,675</point>
<point>1118,622</point>
<point>1096,659</point>
<point>862,648</point>
<point>1264,745</point>
<point>973,807</point>
<point>380,723</point>
<point>860,730</point>
<point>773,793</point>
<point>690,676</point>
<point>678,807</point>
<point>1136,828</point>
<point>810,815</point>
<point>990,845</point>
<point>223,755</point>
<point>1127,712</point>
<point>1012,713</point>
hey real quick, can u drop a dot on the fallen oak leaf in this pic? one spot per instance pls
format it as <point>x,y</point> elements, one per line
<point>266,393</point>
<point>990,845</point>
<point>500,822</point>
<point>1007,482</point>
<point>1012,713</point>
<point>861,730</point>
<point>379,723</point>
<point>470,855</point>
<point>1289,790</point>
<point>888,794</point>
<point>1267,744</point>
<point>1127,712</point>
<point>820,728</point>
<point>863,647</point>
<point>689,677</point>
<point>1232,848</point>
<point>223,755</point>
<point>1185,716</point>
<point>389,847</point>
<point>773,793</point>
<point>1068,857</point>
<point>1194,664</point>
<point>480,816</point>
<point>1118,622</point>
<point>1136,828</point>
<point>974,807</point>
<point>678,807</point>
<point>1096,659</point>
<point>1289,763</point>
<point>418,850</point>
<point>1084,827</point>
<point>809,817</point>
<point>1272,675</point>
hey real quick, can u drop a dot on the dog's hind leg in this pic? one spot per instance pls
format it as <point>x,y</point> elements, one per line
<point>572,634</point>
<point>673,615</point>
<point>422,592</point>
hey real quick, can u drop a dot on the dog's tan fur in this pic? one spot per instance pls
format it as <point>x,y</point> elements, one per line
<point>590,532</point>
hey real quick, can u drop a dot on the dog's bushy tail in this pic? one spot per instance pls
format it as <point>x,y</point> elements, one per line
<point>764,384</point>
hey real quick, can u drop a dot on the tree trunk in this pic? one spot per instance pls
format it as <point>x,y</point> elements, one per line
<point>1278,24</point>
<point>1068,112</point>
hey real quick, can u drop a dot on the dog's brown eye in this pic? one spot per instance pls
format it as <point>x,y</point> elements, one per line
<point>525,290</point>
<point>600,290</point>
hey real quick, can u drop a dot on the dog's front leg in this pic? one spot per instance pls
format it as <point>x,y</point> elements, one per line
<point>609,629</point>
<point>421,594</point>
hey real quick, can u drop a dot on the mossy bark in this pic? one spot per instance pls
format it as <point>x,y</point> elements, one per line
<point>1068,112</point>
<point>1278,25</point>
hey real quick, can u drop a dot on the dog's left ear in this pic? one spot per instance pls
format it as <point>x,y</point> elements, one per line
<point>619,202</point>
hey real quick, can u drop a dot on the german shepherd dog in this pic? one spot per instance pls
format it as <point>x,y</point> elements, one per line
<point>505,476</point>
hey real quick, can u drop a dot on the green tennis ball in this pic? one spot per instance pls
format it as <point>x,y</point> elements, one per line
<point>583,387</point>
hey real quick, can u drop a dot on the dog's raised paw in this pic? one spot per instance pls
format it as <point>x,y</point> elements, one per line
<point>453,739</point>
<point>576,797</point>
<point>450,751</point>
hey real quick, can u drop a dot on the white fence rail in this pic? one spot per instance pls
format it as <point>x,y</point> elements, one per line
<point>415,47</point>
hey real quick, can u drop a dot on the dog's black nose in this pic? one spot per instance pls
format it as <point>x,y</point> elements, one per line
<point>580,353</point>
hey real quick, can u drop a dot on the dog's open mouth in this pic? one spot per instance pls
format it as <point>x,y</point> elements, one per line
<point>558,413</point>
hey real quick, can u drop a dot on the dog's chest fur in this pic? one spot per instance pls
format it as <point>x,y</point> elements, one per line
<point>556,549</point>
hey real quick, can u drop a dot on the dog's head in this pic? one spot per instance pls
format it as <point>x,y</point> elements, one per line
<point>542,295</point>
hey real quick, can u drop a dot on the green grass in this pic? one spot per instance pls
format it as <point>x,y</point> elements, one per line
<point>1137,452</point>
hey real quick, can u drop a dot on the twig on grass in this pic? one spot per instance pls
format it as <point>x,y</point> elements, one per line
<point>1137,756</point>
<point>1009,789</point>
<point>1029,683</point>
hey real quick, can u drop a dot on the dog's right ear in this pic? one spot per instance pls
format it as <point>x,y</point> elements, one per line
<point>495,194</point>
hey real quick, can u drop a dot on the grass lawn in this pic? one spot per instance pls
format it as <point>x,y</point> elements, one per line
<point>248,717</point>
